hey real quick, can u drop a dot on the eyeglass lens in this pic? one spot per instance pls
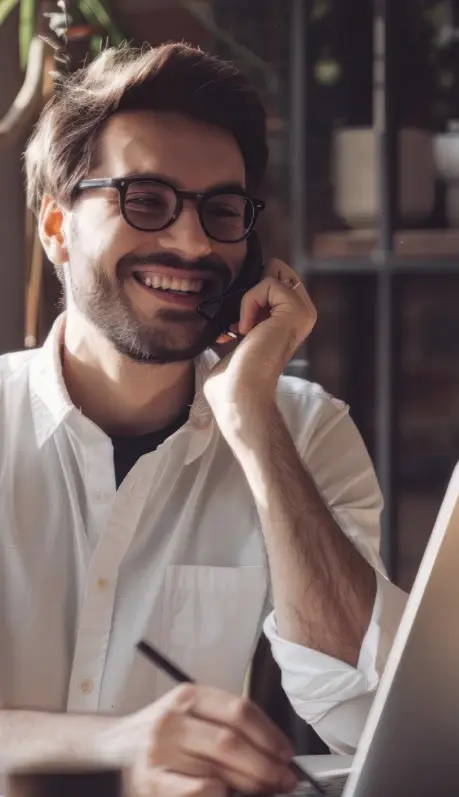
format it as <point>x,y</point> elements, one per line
<point>151,206</point>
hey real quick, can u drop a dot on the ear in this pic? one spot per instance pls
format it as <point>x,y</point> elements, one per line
<point>51,231</point>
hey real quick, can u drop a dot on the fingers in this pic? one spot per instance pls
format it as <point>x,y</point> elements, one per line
<point>279,270</point>
<point>213,705</point>
<point>255,306</point>
<point>207,733</point>
<point>272,297</point>
<point>160,783</point>
<point>225,753</point>
<point>290,278</point>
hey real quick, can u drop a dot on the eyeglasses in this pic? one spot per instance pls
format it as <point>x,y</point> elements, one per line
<point>151,205</point>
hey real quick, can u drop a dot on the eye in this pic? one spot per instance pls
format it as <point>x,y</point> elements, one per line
<point>150,197</point>
<point>147,199</point>
<point>226,206</point>
<point>223,211</point>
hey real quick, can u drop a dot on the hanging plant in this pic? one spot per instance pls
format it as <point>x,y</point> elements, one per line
<point>73,28</point>
<point>90,19</point>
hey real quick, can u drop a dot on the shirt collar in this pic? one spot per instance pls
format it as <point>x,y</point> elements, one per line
<point>201,419</point>
<point>52,404</point>
<point>50,399</point>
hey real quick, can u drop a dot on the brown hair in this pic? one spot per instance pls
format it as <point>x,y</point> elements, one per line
<point>171,77</point>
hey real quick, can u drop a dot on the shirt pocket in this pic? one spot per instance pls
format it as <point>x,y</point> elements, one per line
<point>211,620</point>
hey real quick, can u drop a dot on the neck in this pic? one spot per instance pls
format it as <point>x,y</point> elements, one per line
<point>116,393</point>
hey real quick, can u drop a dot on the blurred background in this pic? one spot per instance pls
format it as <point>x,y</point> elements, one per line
<point>362,199</point>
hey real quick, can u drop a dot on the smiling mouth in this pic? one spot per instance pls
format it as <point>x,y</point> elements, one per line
<point>173,285</point>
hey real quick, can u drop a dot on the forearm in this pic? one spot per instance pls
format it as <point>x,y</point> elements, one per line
<point>31,735</point>
<point>323,589</point>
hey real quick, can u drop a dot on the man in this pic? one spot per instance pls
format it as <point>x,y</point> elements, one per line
<point>149,490</point>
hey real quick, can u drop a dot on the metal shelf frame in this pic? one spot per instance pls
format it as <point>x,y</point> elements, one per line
<point>383,262</point>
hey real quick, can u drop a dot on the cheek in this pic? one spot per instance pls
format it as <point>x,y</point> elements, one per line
<point>99,237</point>
<point>95,213</point>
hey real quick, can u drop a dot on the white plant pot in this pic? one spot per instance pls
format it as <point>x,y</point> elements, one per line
<point>355,175</point>
<point>446,154</point>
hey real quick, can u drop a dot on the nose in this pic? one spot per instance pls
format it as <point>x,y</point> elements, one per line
<point>186,236</point>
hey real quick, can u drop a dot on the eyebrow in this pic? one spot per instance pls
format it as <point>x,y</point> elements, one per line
<point>233,185</point>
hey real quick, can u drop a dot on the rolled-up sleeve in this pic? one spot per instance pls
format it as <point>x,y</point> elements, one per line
<point>329,694</point>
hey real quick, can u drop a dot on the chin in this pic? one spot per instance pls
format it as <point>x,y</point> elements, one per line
<point>169,337</point>
<point>161,349</point>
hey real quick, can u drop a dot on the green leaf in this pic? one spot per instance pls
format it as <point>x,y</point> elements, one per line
<point>6,7</point>
<point>95,11</point>
<point>27,20</point>
<point>96,46</point>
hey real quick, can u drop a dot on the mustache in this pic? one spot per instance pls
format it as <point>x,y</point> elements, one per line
<point>210,263</point>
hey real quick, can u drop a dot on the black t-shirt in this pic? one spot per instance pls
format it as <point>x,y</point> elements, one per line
<point>127,450</point>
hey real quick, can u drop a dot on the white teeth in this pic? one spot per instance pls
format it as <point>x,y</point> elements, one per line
<point>162,282</point>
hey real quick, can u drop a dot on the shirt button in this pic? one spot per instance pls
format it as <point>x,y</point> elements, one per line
<point>102,583</point>
<point>86,686</point>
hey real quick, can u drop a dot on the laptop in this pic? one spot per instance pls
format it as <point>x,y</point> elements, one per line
<point>330,772</point>
<point>410,743</point>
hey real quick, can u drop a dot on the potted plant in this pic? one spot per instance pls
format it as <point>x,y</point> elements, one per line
<point>355,154</point>
<point>80,24</point>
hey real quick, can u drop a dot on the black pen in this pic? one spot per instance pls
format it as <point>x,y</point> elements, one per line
<point>167,666</point>
<point>164,664</point>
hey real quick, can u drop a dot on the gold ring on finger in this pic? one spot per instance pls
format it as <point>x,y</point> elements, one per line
<point>291,284</point>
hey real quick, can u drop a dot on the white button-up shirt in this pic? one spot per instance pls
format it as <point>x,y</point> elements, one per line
<point>175,555</point>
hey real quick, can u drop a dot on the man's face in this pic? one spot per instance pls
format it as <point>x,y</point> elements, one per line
<point>109,261</point>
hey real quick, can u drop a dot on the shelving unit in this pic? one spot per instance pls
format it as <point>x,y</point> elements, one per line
<point>383,254</point>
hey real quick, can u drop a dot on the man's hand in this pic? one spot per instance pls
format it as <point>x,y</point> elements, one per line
<point>277,315</point>
<point>197,740</point>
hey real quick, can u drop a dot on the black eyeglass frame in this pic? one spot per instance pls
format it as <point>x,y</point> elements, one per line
<point>122,185</point>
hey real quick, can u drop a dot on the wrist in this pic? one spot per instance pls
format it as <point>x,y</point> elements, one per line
<point>110,741</point>
<point>247,422</point>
